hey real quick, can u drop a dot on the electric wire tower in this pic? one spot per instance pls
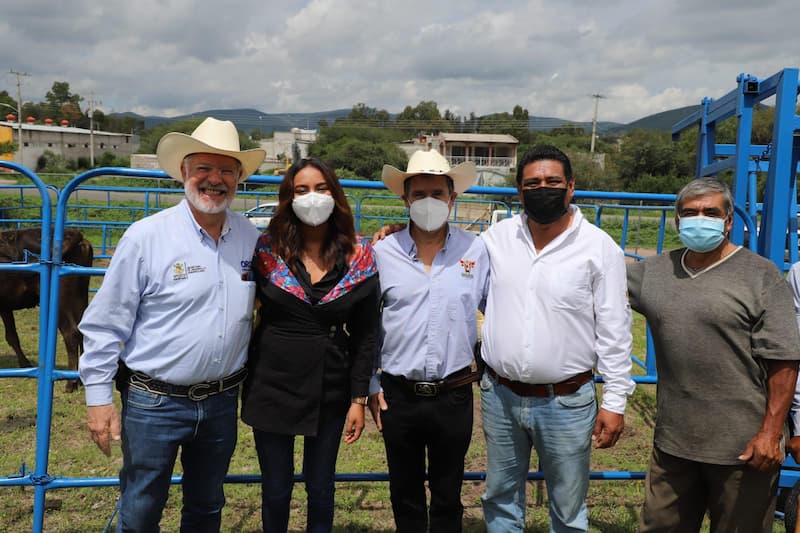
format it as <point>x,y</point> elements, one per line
<point>597,97</point>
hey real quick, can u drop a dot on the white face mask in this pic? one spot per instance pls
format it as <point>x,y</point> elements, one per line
<point>429,213</point>
<point>313,208</point>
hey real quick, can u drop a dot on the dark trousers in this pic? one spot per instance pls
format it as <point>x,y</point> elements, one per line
<point>412,426</point>
<point>276,458</point>
<point>678,492</point>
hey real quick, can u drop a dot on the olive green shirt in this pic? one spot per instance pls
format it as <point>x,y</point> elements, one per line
<point>712,331</point>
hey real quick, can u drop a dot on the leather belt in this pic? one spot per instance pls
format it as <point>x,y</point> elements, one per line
<point>562,388</point>
<point>432,389</point>
<point>196,392</point>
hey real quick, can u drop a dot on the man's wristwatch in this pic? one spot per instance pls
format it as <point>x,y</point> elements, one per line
<point>360,400</point>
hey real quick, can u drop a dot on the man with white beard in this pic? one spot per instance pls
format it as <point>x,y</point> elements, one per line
<point>170,324</point>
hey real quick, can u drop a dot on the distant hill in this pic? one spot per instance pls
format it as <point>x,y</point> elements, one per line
<point>660,121</point>
<point>549,123</point>
<point>252,119</point>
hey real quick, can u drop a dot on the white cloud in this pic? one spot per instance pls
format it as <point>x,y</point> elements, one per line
<point>180,56</point>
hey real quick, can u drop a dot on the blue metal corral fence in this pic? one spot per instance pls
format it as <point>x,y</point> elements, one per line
<point>771,228</point>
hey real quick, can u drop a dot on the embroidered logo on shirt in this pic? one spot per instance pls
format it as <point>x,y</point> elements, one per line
<point>182,270</point>
<point>467,265</point>
<point>179,271</point>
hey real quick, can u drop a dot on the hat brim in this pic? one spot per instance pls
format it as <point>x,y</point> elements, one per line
<point>463,175</point>
<point>174,147</point>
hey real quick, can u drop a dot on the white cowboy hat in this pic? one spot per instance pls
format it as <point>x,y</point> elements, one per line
<point>212,136</point>
<point>430,162</point>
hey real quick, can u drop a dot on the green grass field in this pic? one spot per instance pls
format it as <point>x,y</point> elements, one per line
<point>360,506</point>
<point>363,506</point>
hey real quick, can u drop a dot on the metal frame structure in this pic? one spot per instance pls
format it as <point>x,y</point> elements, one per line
<point>776,216</point>
<point>774,219</point>
<point>52,268</point>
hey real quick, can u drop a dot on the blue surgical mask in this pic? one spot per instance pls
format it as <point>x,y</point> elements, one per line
<point>702,234</point>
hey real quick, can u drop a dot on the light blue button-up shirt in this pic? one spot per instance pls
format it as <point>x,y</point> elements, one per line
<point>429,320</point>
<point>173,304</point>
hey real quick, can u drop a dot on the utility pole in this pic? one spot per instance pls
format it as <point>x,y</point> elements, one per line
<point>19,114</point>
<point>597,97</point>
<point>92,103</point>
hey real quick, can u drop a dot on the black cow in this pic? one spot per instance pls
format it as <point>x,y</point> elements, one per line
<point>20,290</point>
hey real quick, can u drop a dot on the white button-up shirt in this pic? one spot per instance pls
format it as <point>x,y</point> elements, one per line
<point>561,311</point>
<point>173,304</point>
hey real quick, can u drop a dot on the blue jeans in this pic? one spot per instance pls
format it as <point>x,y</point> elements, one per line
<point>560,429</point>
<point>276,458</point>
<point>153,428</point>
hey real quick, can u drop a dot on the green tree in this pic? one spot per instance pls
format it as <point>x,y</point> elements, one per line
<point>149,139</point>
<point>61,103</point>
<point>363,115</point>
<point>6,99</point>
<point>8,148</point>
<point>366,134</point>
<point>648,161</point>
<point>364,159</point>
<point>425,116</point>
<point>515,123</point>
<point>119,124</point>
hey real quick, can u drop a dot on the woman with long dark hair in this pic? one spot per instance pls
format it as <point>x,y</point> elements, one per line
<point>311,353</point>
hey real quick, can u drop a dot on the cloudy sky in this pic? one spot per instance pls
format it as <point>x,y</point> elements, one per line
<point>170,57</point>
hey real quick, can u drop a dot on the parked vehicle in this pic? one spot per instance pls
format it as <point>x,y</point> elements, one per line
<point>261,214</point>
<point>500,214</point>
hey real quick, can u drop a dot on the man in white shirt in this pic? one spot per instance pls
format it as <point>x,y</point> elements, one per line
<point>171,324</point>
<point>556,309</point>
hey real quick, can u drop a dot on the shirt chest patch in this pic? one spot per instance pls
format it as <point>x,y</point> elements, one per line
<point>467,265</point>
<point>181,270</point>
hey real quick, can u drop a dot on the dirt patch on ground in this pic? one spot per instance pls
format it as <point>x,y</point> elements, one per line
<point>644,252</point>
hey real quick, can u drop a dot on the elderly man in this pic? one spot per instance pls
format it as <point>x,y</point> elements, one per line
<point>433,279</point>
<point>726,347</point>
<point>171,323</point>
<point>556,309</point>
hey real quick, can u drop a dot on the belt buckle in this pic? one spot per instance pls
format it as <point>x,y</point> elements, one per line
<point>426,389</point>
<point>194,395</point>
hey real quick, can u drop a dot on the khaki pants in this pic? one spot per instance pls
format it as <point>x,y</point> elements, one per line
<point>679,491</point>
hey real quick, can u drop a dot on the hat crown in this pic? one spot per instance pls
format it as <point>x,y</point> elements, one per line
<point>428,162</point>
<point>212,136</point>
<point>220,134</point>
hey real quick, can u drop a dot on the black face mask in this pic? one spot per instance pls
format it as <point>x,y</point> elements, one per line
<point>544,204</point>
